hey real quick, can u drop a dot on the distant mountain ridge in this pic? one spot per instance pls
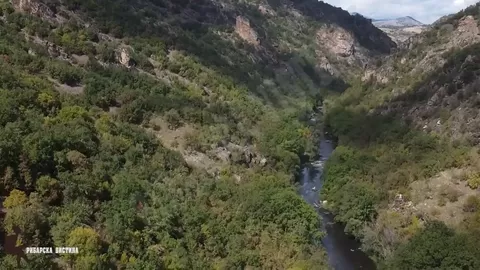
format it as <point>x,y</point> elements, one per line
<point>406,21</point>
<point>400,29</point>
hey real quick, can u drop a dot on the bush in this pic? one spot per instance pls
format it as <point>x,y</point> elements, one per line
<point>435,212</point>
<point>65,73</point>
<point>173,118</point>
<point>442,201</point>
<point>175,144</point>
<point>193,142</point>
<point>472,204</point>
<point>473,180</point>
<point>156,127</point>
<point>106,52</point>
<point>437,247</point>
<point>450,193</point>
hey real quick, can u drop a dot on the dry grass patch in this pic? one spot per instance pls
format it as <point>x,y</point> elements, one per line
<point>444,196</point>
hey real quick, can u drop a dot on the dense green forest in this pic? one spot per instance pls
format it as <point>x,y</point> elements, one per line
<point>77,173</point>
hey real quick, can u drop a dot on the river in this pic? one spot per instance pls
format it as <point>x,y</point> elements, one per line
<point>342,250</point>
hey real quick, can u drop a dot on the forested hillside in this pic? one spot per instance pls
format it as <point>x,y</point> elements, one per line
<point>167,134</point>
<point>404,177</point>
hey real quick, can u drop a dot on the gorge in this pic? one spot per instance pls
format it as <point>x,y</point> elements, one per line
<point>168,134</point>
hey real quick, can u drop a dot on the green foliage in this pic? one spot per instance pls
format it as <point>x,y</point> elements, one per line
<point>473,180</point>
<point>472,10</point>
<point>472,204</point>
<point>437,247</point>
<point>16,198</point>
<point>74,39</point>
<point>65,73</point>
<point>383,154</point>
<point>30,262</point>
<point>106,52</point>
<point>173,119</point>
<point>383,149</point>
<point>97,181</point>
<point>284,139</point>
<point>49,188</point>
<point>88,241</point>
<point>28,221</point>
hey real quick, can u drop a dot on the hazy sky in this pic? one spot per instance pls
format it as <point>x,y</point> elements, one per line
<point>426,11</point>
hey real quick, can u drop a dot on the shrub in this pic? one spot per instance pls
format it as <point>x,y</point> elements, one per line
<point>473,180</point>
<point>435,212</point>
<point>135,112</point>
<point>65,73</point>
<point>472,204</point>
<point>175,144</point>
<point>106,52</point>
<point>192,141</point>
<point>156,127</point>
<point>16,198</point>
<point>442,201</point>
<point>173,118</point>
<point>453,194</point>
<point>436,247</point>
<point>450,193</point>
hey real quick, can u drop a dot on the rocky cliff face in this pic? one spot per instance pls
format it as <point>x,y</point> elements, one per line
<point>427,51</point>
<point>341,43</point>
<point>245,31</point>
<point>123,56</point>
<point>431,79</point>
<point>34,7</point>
<point>336,40</point>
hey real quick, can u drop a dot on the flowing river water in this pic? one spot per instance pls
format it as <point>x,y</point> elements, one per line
<point>343,250</point>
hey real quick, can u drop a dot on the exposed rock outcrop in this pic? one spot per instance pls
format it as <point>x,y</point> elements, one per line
<point>442,39</point>
<point>339,52</point>
<point>467,32</point>
<point>400,203</point>
<point>373,75</point>
<point>324,64</point>
<point>337,40</point>
<point>124,57</point>
<point>33,7</point>
<point>233,153</point>
<point>266,10</point>
<point>245,31</point>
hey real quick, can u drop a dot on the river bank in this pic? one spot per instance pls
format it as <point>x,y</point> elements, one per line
<point>343,250</point>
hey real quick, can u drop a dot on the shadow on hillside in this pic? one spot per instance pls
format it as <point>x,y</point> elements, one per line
<point>442,91</point>
<point>363,129</point>
<point>454,84</point>
<point>360,26</point>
